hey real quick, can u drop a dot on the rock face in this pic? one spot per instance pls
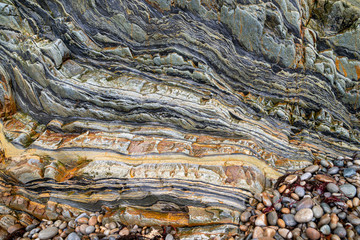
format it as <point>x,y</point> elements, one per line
<point>181,106</point>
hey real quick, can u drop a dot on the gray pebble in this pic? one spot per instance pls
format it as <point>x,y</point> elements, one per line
<point>89,229</point>
<point>357,228</point>
<point>349,190</point>
<point>169,237</point>
<point>325,229</point>
<point>353,219</point>
<point>339,163</point>
<point>272,218</point>
<point>349,172</point>
<point>289,220</point>
<point>340,231</point>
<point>305,176</point>
<point>31,227</point>
<point>324,163</point>
<point>312,169</point>
<point>333,170</point>
<point>342,215</point>
<point>35,230</point>
<point>300,191</point>
<point>332,187</point>
<point>325,207</point>
<point>48,233</point>
<point>73,236</point>
<point>318,211</point>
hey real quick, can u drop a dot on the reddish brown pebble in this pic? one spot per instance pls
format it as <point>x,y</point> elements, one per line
<point>266,199</point>
<point>282,188</point>
<point>83,220</point>
<point>243,228</point>
<point>324,178</point>
<point>312,233</point>
<point>295,196</point>
<point>285,210</point>
<point>281,223</point>
<point>261,220</point>
<point>92,221</point>
<point>269,232</point>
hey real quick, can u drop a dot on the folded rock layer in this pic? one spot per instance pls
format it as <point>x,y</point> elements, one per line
<point>182,105</point>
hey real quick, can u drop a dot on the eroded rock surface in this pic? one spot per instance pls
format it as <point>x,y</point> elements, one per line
<point>187,103</point>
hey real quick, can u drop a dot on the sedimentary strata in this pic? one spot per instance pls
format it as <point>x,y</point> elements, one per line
<point>213,95</point>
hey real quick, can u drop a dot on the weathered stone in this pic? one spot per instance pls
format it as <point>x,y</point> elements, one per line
<point>48,233</point>
<point>349,190</point>
<point>304,215</point>
<point>304,203</point>
<point>312,234</point>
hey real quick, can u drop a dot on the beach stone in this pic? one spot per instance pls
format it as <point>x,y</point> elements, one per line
<point>245,216</point>
<point>339,163</point>
<point>72,224</point>
<point>169,237</point>
<point>324,178</point>
<point>112,225</point>
<point>83,228</point>
<point>285,233</point>
<point>349,172</point>
<point>124,232</point>
<point>304,203</point>
<point>349,190</point>
<point>300,191</point>
<point>317,211</point>
<point>332,187</point>
<point>92,221</point>
<point>324,220</point>
<point>258,232</point>
<point>305,176</point>
<point>31,227</point>
<point>281,223</point>
<point>89,229</point>
<point>312,169</point>
<point>261,221</point>
<point>63,225</point>
<point>48,233</point>
<point>353,219</point>
<point>325,229</point>
<point>272,218</point>
<point>73,236</point>
<point>83,220</point>
<point>340,231</point>
<point>312,233</point>
<point>266,200</point>
<point>333,170</point>
<point>335,237</point>
<point>304,215</point>
<point>289,220</point>
<point>324,163</point>
<point>357,229</point>
<point>325,207</point>
<point>342,215</point>
<point>291,179</point>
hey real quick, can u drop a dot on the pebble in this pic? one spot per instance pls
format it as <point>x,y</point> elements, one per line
<point>335,237</point>
<point>258,232</point>
<point>63,225</point>
<point>291,179</point>
<point>325,229</point>
<point>14,228</point>
<point>304,203</point>
<point>124,232</point>
<point>282,188</point>
<point>304,215</point>
<point>324,178</point>
<point>349,172</point>
<point>348,189</point>
<point>333,170</point>
<point>324,163</point>
<point>169,237</point>
<point>92,221</point>
<point>281,223</point>
<point>357,228</point>
<point>266,200</point>
<point>73,236</point>
<point>325,207</point>
<point>89,229</point>
<point>324,220</point>
<point>312,169</point>
<point>353,219</point>
<point>48,233</point>
<point>112,225</point>
<point>305,176</point>
<point>340,231</point>
<point>245,216</point>
<point>332,187</point>
<point>272,218</point>
<point>289,220</point>
<point>261,221</point>
<point>339,163</point>
<point>317,211</point>
<point>312,233</point>
<point>300,191</point>
<point>285,233</point>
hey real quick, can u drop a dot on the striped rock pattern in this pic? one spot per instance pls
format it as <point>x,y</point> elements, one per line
<point>183,105</point>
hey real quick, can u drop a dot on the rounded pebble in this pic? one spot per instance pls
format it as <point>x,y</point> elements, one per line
<point>48,233</point>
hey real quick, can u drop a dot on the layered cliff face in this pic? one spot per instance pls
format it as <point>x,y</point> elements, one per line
<point>183,106</point>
